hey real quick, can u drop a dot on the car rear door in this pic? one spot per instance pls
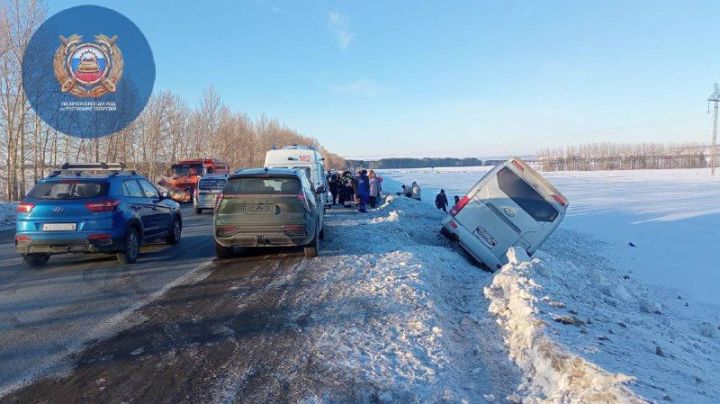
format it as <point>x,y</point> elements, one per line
<point>139,204</point>
<point>160,214</point>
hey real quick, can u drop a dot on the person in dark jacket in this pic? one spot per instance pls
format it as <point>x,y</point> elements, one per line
<point>441,201</point>
<point>333,184</point>
<point>363,190</point>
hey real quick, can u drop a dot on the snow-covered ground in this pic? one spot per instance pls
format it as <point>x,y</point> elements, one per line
<point>590,310</point>
<point>416,324</point>
<point>7,215</point>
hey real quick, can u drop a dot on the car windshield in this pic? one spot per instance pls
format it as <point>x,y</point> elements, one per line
<point>269,186</point>
<point>525,196</point>
<point>211,184</point>
<point>71,189</point>
<point>183,170</point>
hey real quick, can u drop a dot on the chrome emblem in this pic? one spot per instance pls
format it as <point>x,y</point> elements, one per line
<point>509,212</point>
<point>58,209</point>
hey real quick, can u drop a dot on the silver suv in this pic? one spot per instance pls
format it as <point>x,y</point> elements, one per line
<point>268,207</point>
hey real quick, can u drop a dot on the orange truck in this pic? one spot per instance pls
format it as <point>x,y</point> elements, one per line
<point>186,173</point>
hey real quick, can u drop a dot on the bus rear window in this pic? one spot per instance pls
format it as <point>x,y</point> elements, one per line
<point>525,196</point>
<point>71,189</point>
<point>264,186</point>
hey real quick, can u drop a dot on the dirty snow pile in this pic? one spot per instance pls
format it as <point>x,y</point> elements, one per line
<point>552,373</point>
<point>403,317</point>
<point>8,214</point>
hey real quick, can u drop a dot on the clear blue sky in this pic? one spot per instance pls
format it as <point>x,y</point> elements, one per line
<point>458,78</point>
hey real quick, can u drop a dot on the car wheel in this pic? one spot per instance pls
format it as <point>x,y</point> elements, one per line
<point>313,249</point>
<point>132,247</point>
<point>198,211</point>
<point>175,232</point>
<point>322,233</point>
<point>35,259</point>
<point>223,252</point>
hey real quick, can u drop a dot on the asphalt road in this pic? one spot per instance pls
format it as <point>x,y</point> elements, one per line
<point>235,333</point>
<point>47,314</point>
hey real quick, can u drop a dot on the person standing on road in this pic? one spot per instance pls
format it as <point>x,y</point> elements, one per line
<point>334,188</point>
<point>363,190</point>
<point>374,185</point>
<point>441,201</point>
<point>415,191</point>
<point>457,199</point>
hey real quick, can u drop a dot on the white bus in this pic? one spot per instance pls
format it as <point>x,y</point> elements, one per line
<point>512,205</point>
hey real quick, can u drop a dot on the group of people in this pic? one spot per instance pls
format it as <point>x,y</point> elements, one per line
<point>363,189</point>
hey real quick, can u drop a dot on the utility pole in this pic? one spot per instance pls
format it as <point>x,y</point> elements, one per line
<point>714,98</point>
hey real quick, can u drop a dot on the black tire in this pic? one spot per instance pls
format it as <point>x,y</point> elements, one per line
<point>198,211</point>
<point>322,233</point>
<point>223,252</point>
<point>35,259</point>
<point>132,247</point>
<point>313,249</point>
<point>175,232</point>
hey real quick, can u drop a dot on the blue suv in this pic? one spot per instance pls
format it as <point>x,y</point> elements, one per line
<point>94,208</point>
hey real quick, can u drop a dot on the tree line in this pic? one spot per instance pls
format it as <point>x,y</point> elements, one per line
<point>168,130</point>
<point>408,162</point>
<point>620,156</point>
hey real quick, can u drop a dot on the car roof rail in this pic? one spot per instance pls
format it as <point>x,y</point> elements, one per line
<point>77,169</point>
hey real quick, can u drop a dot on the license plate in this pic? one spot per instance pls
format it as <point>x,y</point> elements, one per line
<point>58,227</point>
<point>260,209</point>
<point>483,235</point>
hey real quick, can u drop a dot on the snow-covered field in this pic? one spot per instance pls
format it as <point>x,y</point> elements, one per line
<point>590,310</point>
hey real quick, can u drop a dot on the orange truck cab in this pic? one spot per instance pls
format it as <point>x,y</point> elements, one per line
<point>186,173</point>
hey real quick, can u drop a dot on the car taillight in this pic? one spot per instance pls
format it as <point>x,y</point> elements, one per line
<point>25,207</point>
<point>197,192</point>
<point>561,200</point>
<point>294,229</point>
<point>108,205</point>
<point>301,197</point>
<point>459,206</point>
<point>225,230</point>
<point>218,199</point>
<point>518,165</point>
<point>99,236</point>
<point>21,239</point>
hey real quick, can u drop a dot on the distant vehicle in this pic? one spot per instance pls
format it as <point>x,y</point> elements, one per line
<point>268,207</point>
<point>512,205</point>
<point>95,207</point>
<point>208,187</point>
<point>185,175</point>
<point>302,157</point>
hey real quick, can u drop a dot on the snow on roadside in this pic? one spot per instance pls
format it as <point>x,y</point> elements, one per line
<point>552,373</point>
<point>8,214</point>
<point>403,317</point>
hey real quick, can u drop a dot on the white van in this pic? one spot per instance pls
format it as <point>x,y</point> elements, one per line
<point>208,187</point>
<point>302,157</point>
<point>512,205</point>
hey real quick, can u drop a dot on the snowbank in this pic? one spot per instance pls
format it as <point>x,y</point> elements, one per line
<point>552,373</point>
<point>8,213</point>
<point>397,314</point>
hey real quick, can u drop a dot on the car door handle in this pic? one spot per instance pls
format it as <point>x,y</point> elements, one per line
<point>136,207</point>
<point>154,208</point>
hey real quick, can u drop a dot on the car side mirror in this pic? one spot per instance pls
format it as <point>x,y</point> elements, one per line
<point>164,195</point>
<point>320,190</point>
